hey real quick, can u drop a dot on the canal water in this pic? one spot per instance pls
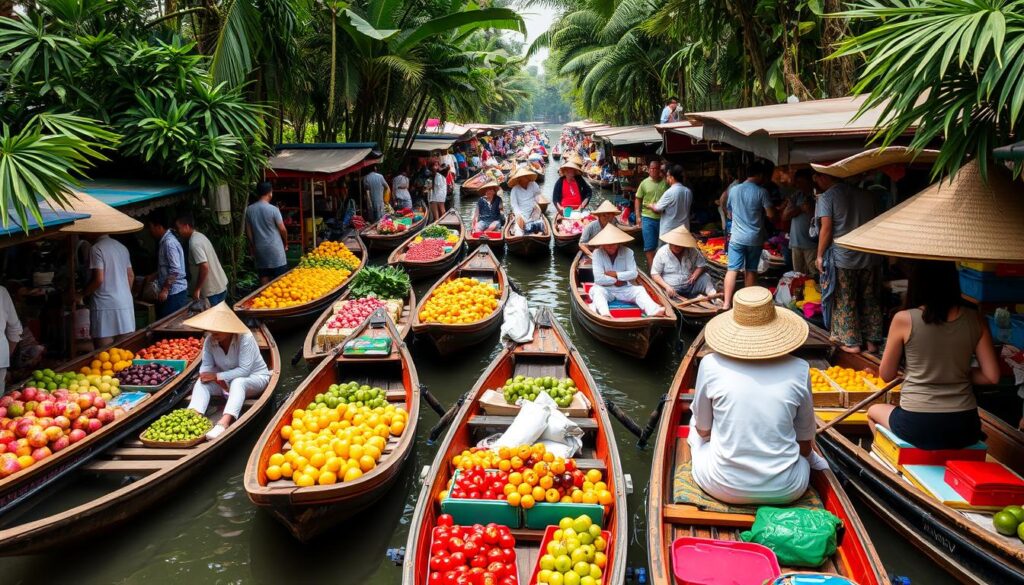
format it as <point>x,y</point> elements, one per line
<point>209,532</point>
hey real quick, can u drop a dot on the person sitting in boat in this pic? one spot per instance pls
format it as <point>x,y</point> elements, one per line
<point>489,214</point>
<point>605,214</point>
<point>752,428</point>
<point>679,268</point>
<point>523,197</point>
<point>571,190</point>
<point>232,365</point>
<point>938,336</point>
<point>615,274</point>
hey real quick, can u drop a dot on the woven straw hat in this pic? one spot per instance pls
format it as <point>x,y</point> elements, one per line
<point>963,219</point>
<point>219,318</point>
<point>523,172</point>
<point>103,219</point>
<point>605,207</point>
<point>755,329</point>
<point>874,159</point>
<point>680,237</point>
<point>569,165</point>
<point>490,184</point>
<point>610,235</point>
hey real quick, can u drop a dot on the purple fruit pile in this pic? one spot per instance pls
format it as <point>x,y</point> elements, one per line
<point>146,375</point>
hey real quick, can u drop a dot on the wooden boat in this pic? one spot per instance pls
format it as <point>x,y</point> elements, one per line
<point>471,186</point>
<point>528,245</point>
<point>557,155</point>
<point>309,511</point>
<point>378,242</point>
<point>699,312</point>
<point>568,243</point>
<point>856,558</point>
<point>549,353</point>
<point>144,476</point>
<point>480,265</point>
<point>313,352</point>
<point>19,487</point>
<point>289,317</point>
<point>631,335</point>
<point>419,269</point>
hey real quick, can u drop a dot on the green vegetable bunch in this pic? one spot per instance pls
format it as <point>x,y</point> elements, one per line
<point>383,282</point>
<point>435,231</point>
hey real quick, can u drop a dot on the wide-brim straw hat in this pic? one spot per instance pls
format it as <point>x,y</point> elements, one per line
<point>755,329</point>
<point>569,165</point>
<point>490,184</point>
<point>605,207</point>
<point>103,219</point>
<point>961,219</point>
<point>219,318</point>
<point>875,158</point>
<point>680,236</point>
<point>610,235</point>
<point>522,172</point>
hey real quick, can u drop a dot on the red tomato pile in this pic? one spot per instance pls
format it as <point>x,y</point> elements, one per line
<point>428,249</point>
<point>472,555</point>
<point>479,484</point>
<point>180,348</point>
<point>353,312</point>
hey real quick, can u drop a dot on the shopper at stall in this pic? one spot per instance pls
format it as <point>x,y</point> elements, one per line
<point>571,189</point>
<point>615,274</point>
<point>523,199</point>
<point>852,306</point>
<point>605,214</point>
<point>674,205</point>
<point>376,187</point>
<point>438,190</point>
<point>679,268</point>
<point>752,429</point>
<point>170,267</point>
<point>649,192</point>
<point>401,197</point>
<point>267,235</point>
<point>489,214</point>
<point>747,205</point>
<point>668,113</point>
<point>799,210</point>
<point>231,365</point>
<point>208,278</point>
<point>937,338</point>
<point>111,308</point>
<point>10,326</point>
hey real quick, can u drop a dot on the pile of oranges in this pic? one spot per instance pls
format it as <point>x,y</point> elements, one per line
<point>460,300</point>
<point>299,285</point>
<point>331,445</point>
<point>108,363</point>
<point>337,250</point>
<point>819,383</point>
<point>851,380</point>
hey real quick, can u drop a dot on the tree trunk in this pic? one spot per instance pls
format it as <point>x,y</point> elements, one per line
<point>7,8</point>
<point>789,73</point>
<point>744,13</point>
<point>838,74</point>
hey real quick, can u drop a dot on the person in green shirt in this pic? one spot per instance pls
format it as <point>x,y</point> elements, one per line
<point>648,193</point>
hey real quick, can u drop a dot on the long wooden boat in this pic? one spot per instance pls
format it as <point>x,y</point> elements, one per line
<point>696,313</point>
<point>309,511</point>
<point>314,352</point>
<point>17,488</point>
<point>568,243</point>
<point>557,155</point>
<point>285,318</point>
<point>378,242</point>
<point>856,558</point>
<point>496,243</point>
<point>144,476</point>
<point>528,245</point>
<point>480,265</point>
<point>549,353</point>
<point>631,335</point>
<point>419,269</point>
<point>471,186</point>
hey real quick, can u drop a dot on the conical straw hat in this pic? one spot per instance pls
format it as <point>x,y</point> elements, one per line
<point>103,219</point>
<point>569,165</point>
<point>219,318</point>
<point>680,237</point>
<point>610,235</point>
<point>755,329</point>
<point>606,207</point>
<point>874,159</point>
<point>964,219</point>
<point>490,184</point>
<point>523,172</point>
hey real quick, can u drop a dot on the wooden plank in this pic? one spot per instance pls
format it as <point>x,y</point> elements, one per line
<point>528,534</point>
<point>585,464</point>
<point>481,420</point>
<point>396,395</point>
<point>683,514</point>
<point>127,466</point>
<point>148,453</point>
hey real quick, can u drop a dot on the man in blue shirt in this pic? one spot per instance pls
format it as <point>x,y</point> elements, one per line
<point>747,205</point>
<point>668,114</point>
<point>170,267</point>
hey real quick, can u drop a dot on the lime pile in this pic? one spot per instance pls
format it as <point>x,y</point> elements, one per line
<point>1009,521</point>
<point>183,424</point>
<point>561,391</point>
<point>49,380</point>
<point>350,393</point>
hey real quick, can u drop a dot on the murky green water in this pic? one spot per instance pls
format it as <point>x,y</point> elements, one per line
<point>211,533</point>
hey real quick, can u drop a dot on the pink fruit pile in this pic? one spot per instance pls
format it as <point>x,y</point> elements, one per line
<point>428,249</point>
<point>571,228</point>
<point>35,424</point>
<point>352,313</point>
<point>388,226</point>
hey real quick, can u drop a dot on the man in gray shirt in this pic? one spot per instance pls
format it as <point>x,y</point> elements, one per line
<point>267,235</point>
<point>799,211</point>
<point>376,185</point>
<point>856,313</point>
<point>674,205</point>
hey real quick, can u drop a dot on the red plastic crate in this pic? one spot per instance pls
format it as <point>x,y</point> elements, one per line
<point>626,313</point>
<point>549,536</point>
<point>706,561</point>
<point>433,531</point>
<point>985,483</point>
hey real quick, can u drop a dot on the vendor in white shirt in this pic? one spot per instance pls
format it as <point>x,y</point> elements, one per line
<point>752,430</point>
<point>615,274</point>
<point>232,365</point>
<point>679,268</point>
<point>526,213</point>
<point>10,326</point>
<point>605,215</point>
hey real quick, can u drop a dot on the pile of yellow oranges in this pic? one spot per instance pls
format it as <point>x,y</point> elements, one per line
<point>331,445</point>
<point>850,379</point>
<point>299,285</point>
<point>329,249</point>
<point>108,363</point>
<point>819,383</point>
<point>460,300</point>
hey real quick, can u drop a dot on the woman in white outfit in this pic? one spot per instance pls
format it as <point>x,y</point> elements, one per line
<point>523,197</point>
<point>615,274</point>
<point>232,365</point>
<point>401,198</point>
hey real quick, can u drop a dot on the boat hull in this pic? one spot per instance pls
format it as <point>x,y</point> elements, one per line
<point>529,245</point>
<point>378,243</point>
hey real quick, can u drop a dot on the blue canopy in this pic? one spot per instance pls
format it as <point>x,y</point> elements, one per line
<point>52,217</point>
<point>121,193</point>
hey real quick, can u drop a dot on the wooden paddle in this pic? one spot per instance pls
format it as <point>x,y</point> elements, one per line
<point>700,300</point>
<point>859,405</point>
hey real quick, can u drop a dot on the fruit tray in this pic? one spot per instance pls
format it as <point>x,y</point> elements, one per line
<point>544,514</point>
<point>178,365</point>
<point>549,536</point>
<point>468,512</point>
<point>832,398</point>
<point>515,562</point>
<point>170,444</point>
<point>850,398</point>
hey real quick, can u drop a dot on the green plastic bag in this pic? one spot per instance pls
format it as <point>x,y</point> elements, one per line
<point>798,537</point>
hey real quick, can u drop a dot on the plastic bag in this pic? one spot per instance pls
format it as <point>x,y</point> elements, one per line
<point>527,427</point>
<point>560,429</point>
<point>798,536</point>
<point>764,263</point>
<point>517,324</point>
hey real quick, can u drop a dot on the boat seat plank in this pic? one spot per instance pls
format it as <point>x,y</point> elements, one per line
<point>495,421</point>
<point>585,464</point>
<point>684,514</point>
<point>528,535</point>
<point>148,453</point>
<point>829,566</point>
<point>127,466</point>
<point>536,370</point>
<point>396,395</point>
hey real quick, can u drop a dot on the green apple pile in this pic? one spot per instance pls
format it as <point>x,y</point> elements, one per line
<point>561,391</point>
<point>575,555</point>
<point>183,424</point>
<point>1009,521</point>
<point>350,393</point>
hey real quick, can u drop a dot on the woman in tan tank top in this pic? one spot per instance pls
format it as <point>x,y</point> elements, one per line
<point>937,336</point>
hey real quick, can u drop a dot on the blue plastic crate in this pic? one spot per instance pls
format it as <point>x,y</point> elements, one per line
<point>1013,336</point>
<point>986,287</point>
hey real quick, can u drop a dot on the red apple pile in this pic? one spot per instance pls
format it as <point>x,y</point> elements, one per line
<point>351,313</point>
<point>479,484</point>
<point>471,555</point>
<point>428,249</point>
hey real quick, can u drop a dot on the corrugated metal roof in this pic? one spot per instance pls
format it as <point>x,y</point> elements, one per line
<point>829,117</point>
<point>638,135</point>
<point>125,192</point>
<point>325,160</point>
<point>430,144</point>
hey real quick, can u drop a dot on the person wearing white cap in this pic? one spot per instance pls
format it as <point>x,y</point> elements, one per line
<point>231,364</point>
<point>615,274</point>
<point>752,431</point>
<point>523,198</point>
<point>678,267</point>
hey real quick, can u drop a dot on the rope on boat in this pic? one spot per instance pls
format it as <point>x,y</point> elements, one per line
<point>446,420</point>
<point>652,422</point>
<point>431,400</point>
<point>623,418</point>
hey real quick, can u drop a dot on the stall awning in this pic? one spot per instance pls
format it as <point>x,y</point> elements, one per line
<point>52,216</point>
<point>640,136</point>
<point>326,161</point>
<point>135,198</point>
<point>682,137</point>
<point>100,217</point>
<point>427,144</point>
